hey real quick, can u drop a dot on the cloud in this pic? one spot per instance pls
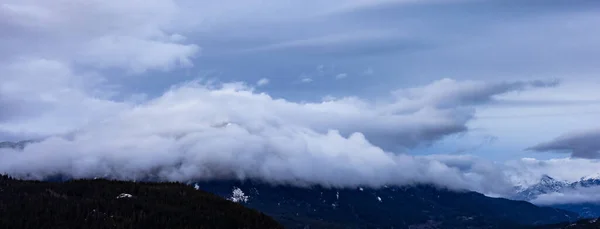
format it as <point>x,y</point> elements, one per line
<point>581,144</point>
<point>60,62</point>
<point>360,42</point>
<point>450,93</point>
<point>341,76</point>
<point>133,35</point>
<point>39,97</point>
<point>570,196</point>
<point>527,171</point>
<point>257,136</point>
<point>262,82</point>
<point>137,55</point>
<point>306,79</point>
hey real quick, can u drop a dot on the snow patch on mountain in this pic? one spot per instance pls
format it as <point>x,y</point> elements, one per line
<point>124,195</point>
<point>238,196</point>
<point>546,185</point>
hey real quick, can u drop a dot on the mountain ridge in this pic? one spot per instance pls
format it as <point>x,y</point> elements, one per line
<point>104,204</point>
<point>549,185</point>
<point>399,207</point>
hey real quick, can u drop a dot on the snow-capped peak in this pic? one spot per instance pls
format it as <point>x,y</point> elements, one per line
<point>546,185</point>
<point>547,180</point>
<point>591,177</point>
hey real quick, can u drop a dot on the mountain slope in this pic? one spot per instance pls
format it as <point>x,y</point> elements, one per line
<point>581,224</point>
<point>115,204</point>
<point>587,181</point>
<point>398,207</point>
<point>548,185</point>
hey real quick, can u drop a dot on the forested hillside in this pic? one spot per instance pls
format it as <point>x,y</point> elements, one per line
<point>97,204</point>
<point>581,224</point>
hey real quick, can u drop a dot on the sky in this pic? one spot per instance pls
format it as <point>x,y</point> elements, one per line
<point>338,93</point>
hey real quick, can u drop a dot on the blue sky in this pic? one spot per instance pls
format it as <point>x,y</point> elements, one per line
<point>480,80</point>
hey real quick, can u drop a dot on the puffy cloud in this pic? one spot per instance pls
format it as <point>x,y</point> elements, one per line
<point>131,35</point>
<point>188,134</point>
<point>571,196</point>
<point>56,56</point>
<point>581,144</point>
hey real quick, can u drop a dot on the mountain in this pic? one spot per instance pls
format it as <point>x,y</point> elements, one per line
<point>587,181</point>
<point>421,206</point>
<point>97,204</point>
<point>581,224</point>
<point>585,210</point>
<point>548,185</point>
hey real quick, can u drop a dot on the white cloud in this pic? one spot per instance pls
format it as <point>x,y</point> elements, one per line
<point>262,82</point>
<point>529,170</point>
<point>451,93</point>
<point>55,56</point>
<point>306,79</point>
<point>571,196</point>
<point>266,138</point>
<point>132,35</point>
<point>136,54</point>
<point>44,97</point>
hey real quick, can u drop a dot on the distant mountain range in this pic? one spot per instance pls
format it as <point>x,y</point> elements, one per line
<point>548,185</point>
<point>421,206</point>
<point>581,224</point>
<point>102,203</point>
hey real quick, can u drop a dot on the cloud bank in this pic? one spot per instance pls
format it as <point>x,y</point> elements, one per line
<point>571,196</point>
<point>207,131</point>
<point>580,144</point>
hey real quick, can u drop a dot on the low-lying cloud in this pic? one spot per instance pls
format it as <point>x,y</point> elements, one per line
<point>570,196</point>
<point>203,131</point>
